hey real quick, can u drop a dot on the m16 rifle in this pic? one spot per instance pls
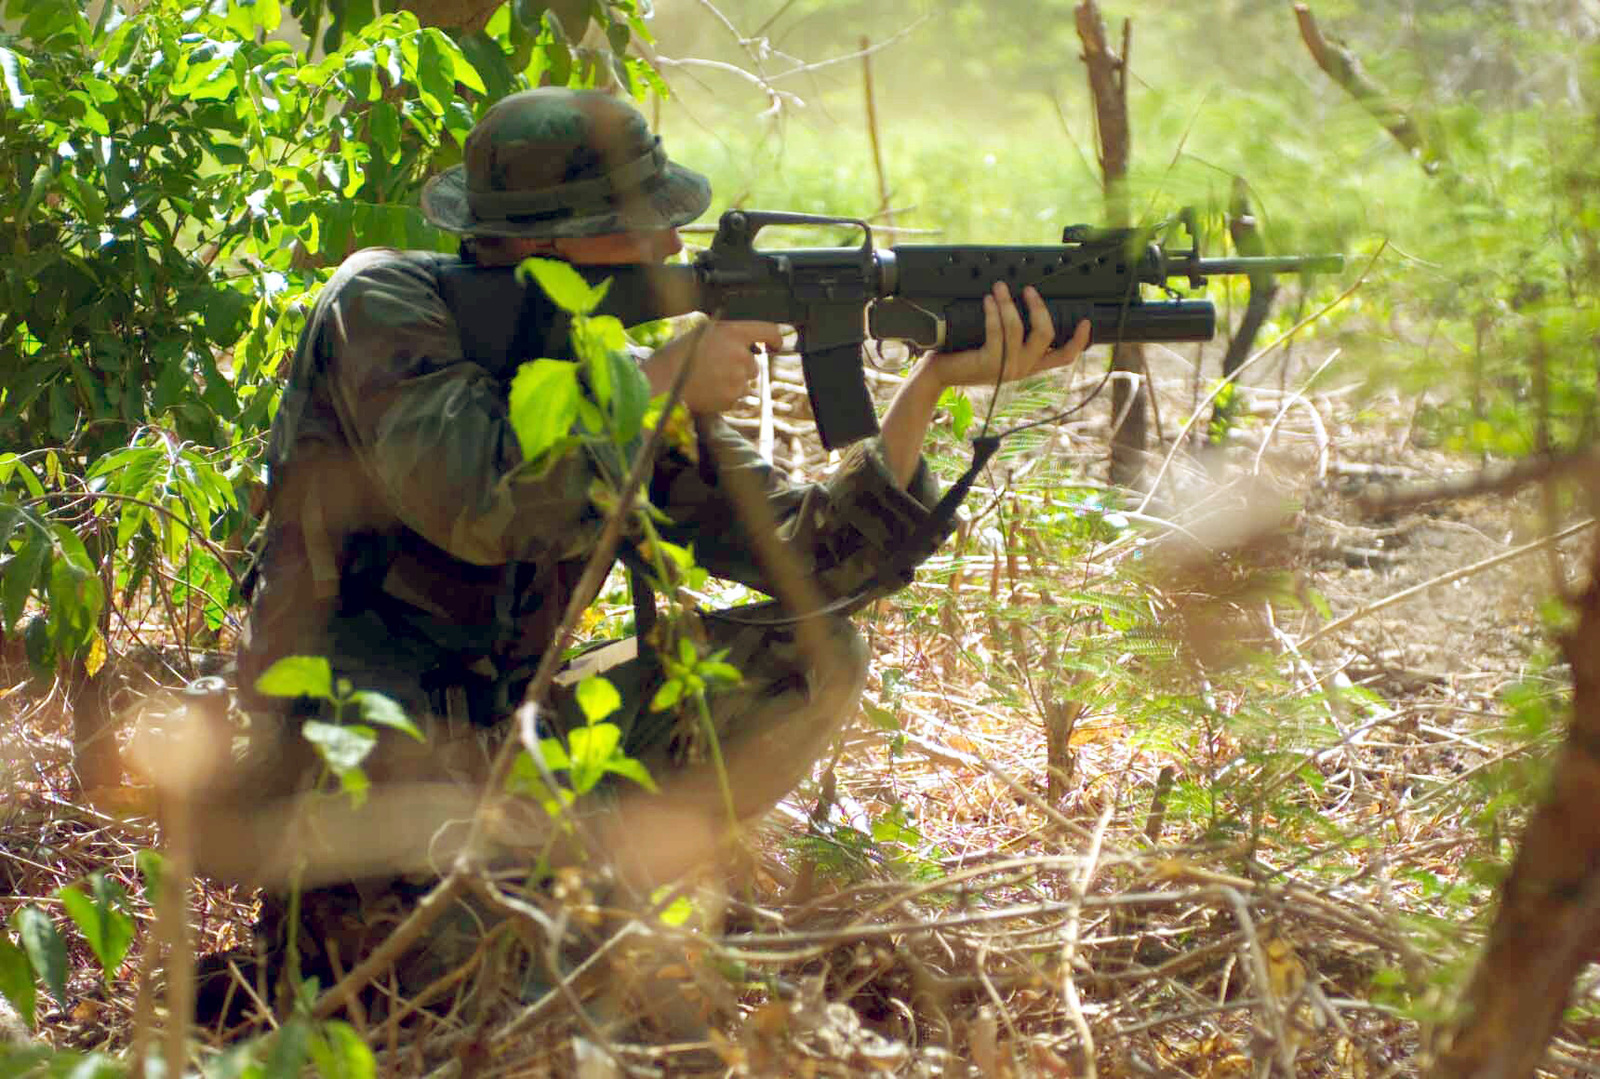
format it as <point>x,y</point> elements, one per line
<point>928,296</point>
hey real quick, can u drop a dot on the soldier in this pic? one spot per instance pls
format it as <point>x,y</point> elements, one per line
<point>400,546</point>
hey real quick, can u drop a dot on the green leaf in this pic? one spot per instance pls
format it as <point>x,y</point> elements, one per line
<point>354,782</point>
<point>595,744</point>
<point>298,676</point>
<point>153,871</point>
<point>629,768</point>
<point>102,920</point>
<point>383,123</point>
<point>46,951</point>
<point>462,69</point>
<point>597,363</point>
<point>590,417</point>
<point>529,14</point>
<point>289,1047</point>
<point>592,749</point>
<point>554,754</point>
<point>13,465</point>
<point>678,912</point>
<point>435,70</point>
<point>619,38</point>
<point>266,14</point>
<point>382,711</point>
<point>12,77</point>
<point>16,979</point>
<point>341,748</point>
<point>597,697</point>
<point>487,59</point>
<point>631,397</point>
<point>669,694</point>
<point>960,414</point>
<point>47,18</point>
<point>21,573</point>
<point>207,72</point>
<point>75,592</point>
<point>95,120</point>
<point>894,828</point>
<point>563,284</point>
<point>881,717</point>
<point>361,75</point>
<point>339,1053</point>
<point>527,781</point>
<point>713,670</point>
<point>543,404</point>
<point>1320,604</point>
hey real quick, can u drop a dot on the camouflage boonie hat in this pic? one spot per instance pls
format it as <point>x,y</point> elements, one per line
<point>554,162</point>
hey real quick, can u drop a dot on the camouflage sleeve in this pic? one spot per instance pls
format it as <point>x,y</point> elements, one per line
<point>841,531</point>
<point>431,428</point>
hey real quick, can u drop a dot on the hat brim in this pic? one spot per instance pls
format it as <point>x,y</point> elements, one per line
<point>676,196</point>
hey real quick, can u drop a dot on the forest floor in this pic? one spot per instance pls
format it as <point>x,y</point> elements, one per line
<point>934,905</point>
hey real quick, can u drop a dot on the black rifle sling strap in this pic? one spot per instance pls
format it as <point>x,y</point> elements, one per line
<point>500,330</point>
<point>899,571</point>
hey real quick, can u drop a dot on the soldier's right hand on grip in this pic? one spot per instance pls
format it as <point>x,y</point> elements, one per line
<point>724,363</point>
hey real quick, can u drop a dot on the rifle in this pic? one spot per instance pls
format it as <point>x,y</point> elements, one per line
<point>926,296</point>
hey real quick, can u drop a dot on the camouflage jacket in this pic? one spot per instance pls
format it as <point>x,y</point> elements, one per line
<point>399,546</point>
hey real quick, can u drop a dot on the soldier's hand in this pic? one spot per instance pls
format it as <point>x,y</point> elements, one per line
<point>724,363</point>
<point>1008,352</point>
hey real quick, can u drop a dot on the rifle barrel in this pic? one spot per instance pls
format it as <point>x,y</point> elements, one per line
<point>1270,264</point>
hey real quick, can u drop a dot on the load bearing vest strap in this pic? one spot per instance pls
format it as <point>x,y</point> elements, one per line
<point>319,548</point>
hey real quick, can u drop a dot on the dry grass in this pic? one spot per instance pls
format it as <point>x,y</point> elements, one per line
<point>1112,926</point>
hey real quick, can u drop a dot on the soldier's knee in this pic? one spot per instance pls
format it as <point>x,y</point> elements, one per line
<point>838,678</point>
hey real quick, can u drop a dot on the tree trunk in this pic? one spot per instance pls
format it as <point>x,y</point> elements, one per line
<point>96,757</point>
<point>1108,86</point>
<point>1545,931</point>
<point>1263,289</point>
<point>463,16</point>
<point>467,16</point>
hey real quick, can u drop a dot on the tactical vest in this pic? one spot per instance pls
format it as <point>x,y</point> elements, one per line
<point>388,601</point>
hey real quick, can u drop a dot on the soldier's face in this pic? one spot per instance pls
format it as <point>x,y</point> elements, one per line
<point>620,247</point>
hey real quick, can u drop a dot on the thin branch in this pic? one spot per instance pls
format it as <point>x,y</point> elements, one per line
<point>427,911</point>
<point>1444,578</point>
<point>1345,68</point>
<point>1183,435</point>
<point>1499,482</point>
<point>593,577</point>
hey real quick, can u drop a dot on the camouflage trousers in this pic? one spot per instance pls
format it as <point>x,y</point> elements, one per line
<point>771,727</point>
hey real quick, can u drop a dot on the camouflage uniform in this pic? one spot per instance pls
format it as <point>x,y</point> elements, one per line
<point>400,547</point>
